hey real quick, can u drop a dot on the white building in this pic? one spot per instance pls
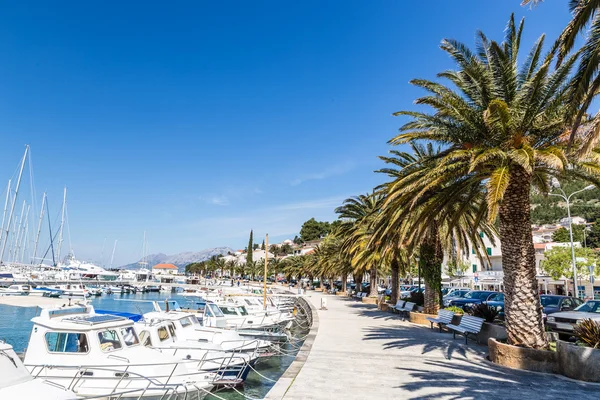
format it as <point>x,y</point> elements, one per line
<point>575,220</point>
<point>165,269</point>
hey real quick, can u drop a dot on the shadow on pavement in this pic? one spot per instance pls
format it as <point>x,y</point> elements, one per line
<point>485,381</point>
<point>402,337</point>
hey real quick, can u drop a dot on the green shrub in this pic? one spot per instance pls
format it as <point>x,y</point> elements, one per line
<point>455,310</point>
<point>417,298</point>
<point>588,331</point>
<point>484,311</point>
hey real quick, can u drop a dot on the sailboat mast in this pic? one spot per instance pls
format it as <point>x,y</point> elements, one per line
<point>24,241</point>
<point>21,233</point>
<point>62,224</point>
<point>51,237</point>
<point>37,237</point>
<point>14,249</point>
<point>112,258</point>
<point>12,207</point>
<point>5,208</point>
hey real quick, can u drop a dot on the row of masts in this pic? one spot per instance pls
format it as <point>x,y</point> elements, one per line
<point>14,234</point>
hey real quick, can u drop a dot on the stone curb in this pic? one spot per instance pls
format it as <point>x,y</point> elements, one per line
<point>279,390</point>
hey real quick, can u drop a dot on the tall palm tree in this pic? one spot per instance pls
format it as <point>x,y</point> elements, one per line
<point>358,216</point>
<point>443,219</point>
<point>586,82</point>
<point>502,127</point>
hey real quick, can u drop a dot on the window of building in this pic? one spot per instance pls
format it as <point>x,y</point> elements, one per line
<point>473,250</point>
<point>489,251</point>
<point>481,234</point>
<point>581,292</point>
<point>474,267</point>
<point>63,342</point>
<point>109,340</point>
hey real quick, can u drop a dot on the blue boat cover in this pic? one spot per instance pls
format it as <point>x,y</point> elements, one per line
<point>131,316</point>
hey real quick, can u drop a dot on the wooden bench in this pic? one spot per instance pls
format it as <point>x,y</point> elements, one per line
<point>406,309</point>
<point>468,326</point>
<point>398,305</point>
<point>444,317</point>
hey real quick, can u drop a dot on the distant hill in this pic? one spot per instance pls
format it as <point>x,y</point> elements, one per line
<point>181,259</point>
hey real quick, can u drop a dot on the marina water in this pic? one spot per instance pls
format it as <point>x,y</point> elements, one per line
<point>15,327</point>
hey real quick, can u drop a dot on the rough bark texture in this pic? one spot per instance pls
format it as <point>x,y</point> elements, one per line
<point>431,258</point>
<point>358,278</point>
<point>522,308</point>
<point>373,282</point>
<point>344,279</point>
<point>395,281</point>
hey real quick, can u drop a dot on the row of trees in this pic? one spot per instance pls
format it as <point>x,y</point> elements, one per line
<point>496,130</point>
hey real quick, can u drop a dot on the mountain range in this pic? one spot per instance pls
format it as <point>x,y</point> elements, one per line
<point>180,259</point>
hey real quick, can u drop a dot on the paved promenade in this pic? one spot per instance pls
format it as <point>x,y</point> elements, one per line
<point>362,353</point>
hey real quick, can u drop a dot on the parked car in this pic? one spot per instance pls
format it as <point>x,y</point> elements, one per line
<point>553,303</point>
<point>472,298</point>
<point>496,301</point>
<point>563,322</point>
<point>455,294</point>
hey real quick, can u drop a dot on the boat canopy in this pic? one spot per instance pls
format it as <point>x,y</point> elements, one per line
<point>132,316</point>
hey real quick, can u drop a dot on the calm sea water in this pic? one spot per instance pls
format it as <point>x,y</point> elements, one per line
<point>15,326</point>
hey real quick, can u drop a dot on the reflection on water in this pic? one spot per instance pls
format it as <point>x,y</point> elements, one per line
<point>15,327</point>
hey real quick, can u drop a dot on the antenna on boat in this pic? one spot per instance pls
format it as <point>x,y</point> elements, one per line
<point>37,238</point>
<point>113,255</point>
<point>265,274</point>
<point>62,224</point>
<point>12,207</point>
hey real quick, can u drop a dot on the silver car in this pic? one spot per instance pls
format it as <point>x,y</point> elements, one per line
<point>564,322</point>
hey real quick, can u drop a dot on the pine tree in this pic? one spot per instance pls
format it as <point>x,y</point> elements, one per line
<point>262,247</point>
<point>250,247</point>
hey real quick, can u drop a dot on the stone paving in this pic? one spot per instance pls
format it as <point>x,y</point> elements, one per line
<point>362,353</point>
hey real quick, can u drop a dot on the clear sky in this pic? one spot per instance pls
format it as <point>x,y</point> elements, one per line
<point>196,121</point>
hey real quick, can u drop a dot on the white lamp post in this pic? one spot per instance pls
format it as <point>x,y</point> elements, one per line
<point>563,195</point>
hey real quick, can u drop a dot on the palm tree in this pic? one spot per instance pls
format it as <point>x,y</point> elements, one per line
<point>358,216</point>
<point>586,82</point>
<point>440,220</point>
<point>502,128</point>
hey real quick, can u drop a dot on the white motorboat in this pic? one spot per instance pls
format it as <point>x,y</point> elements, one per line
<point>17,383</point>
<point>73,290</point>
<point>173,334</point>
<point>15,290</point>
<point>97,355</point>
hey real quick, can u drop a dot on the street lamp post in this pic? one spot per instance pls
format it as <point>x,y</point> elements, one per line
<point>563,195</point>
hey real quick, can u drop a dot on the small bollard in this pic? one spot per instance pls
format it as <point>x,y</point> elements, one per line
<point>323,303</point>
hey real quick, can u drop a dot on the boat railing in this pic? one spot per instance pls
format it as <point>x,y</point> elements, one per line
<point>118,358</point>
<point>82,374</point>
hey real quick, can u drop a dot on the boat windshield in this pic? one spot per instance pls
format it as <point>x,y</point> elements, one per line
<point>129,336</point>
<point>243,310</point>
<point>63,342</point>
<point>109,340</point>
<point>590,306</point>
<point>172,330</point>
<point>215,310</point>
<point>185,322</point>
<point>228,310</point>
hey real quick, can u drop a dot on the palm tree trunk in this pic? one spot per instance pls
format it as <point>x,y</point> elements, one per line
<point>358,277</point>
<point>395,266</point>
<point>523,311</point>
<point>344,284</point>
<point>432,256</point>
<point>373,282</point>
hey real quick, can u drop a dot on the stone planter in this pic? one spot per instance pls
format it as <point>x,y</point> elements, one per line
<point>341,293</point>
<point>578,362</point>
<point>420,318</point>
<point>369,300</point>
<point>491,331</point>
<point>522,358</point>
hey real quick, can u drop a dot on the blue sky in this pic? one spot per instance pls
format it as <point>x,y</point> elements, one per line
<point>198,121</point>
